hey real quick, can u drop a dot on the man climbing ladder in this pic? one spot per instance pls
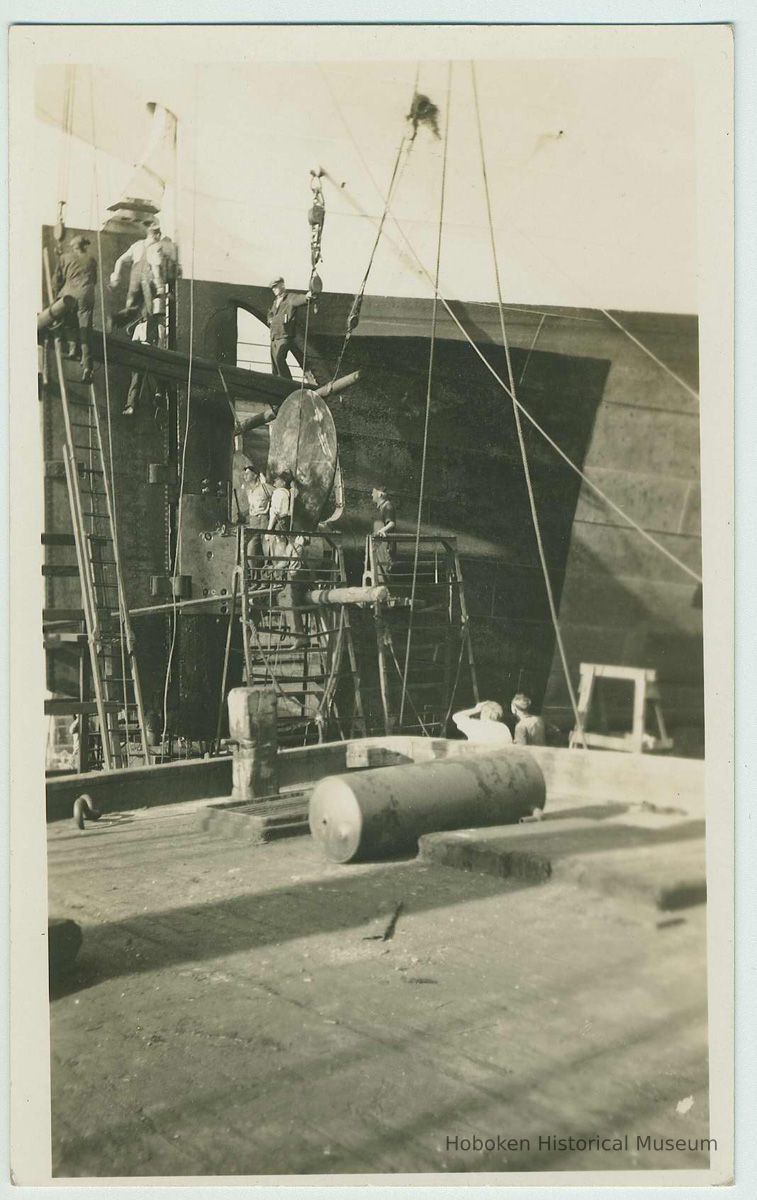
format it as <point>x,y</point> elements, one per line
<point>76,277</point>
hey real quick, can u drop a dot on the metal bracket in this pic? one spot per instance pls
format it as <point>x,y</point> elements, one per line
<point>162,586</point>
<point>162,473</point>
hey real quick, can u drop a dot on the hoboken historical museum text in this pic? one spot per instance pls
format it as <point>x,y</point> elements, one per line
<point>552,1144</point>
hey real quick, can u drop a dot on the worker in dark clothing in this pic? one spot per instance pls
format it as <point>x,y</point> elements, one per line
<point>145,332</point>
<point>385,524</point>
<point>282,318</point>
<point>76,276</point>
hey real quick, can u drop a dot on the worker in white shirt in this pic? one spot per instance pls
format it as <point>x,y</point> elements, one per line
<point>257,494</point>
<point>153,262</point>
<point>485,722</point>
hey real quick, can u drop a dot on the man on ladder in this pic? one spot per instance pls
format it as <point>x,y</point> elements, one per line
<point>76,276</point>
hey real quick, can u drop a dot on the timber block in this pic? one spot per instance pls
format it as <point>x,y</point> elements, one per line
<point>258,821</point>
<point>663,864</point>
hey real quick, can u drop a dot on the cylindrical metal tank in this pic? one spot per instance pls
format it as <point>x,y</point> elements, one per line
<point>373,813</point>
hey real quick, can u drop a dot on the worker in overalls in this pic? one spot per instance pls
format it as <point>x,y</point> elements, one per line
<point>385,524</point>
<point>282,320</point>
<point>292,597</point>
<point>278,525</point>
<point>76,276</point>
<point>257,493</point>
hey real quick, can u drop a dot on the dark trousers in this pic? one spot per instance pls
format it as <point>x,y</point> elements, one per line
<point>136,387</point>
<point>279,351</point>
<point>384,560</point>
<point>257,558</point>
<point>77,329</point>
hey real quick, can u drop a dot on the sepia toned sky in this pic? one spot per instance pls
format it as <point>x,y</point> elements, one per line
<point>591,164</point>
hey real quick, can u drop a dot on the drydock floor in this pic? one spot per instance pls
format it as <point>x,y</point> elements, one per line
<point>233,1012</point>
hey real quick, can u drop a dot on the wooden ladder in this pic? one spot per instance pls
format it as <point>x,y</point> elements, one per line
<point>110,637</point>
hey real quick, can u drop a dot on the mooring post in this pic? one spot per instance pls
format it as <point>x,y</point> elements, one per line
<point>253,727</point>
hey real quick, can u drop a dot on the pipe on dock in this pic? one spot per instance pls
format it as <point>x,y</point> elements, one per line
<point>384,811</point>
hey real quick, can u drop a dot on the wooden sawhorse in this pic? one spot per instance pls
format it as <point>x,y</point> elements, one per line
<point>646,692</point>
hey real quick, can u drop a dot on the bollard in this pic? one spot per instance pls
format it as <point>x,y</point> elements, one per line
<point>384,811</point>
<point>252,725</point>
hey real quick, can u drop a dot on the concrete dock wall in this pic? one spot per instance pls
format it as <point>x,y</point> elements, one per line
<point>584,775</point>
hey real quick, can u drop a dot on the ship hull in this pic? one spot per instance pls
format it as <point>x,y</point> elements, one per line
<point>630,427</point>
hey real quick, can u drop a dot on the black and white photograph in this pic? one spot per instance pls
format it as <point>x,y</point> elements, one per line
<point>376,584</point>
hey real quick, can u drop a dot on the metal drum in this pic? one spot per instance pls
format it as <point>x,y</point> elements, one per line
<point>370,814</point>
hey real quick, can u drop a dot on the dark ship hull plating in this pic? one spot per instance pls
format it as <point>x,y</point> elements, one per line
<point>633,429</point>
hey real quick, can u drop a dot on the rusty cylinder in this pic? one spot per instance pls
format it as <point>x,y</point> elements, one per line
<point>371,814</point>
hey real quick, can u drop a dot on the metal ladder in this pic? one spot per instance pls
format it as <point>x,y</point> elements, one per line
<point>441,654</point>
<point>112,647</point>
<point>305,664</point>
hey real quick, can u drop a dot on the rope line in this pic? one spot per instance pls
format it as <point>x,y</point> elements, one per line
<point>558,450</point>
<point>406,141</point>
<point>424,453</point>
<point>299,417</point>
<point>64,174</point>
<point>354,313</point>
<point>540,429</point>
<point>664,366</point>
<point>93,398</point>
<point>518,426</point>
<point>176,569</point>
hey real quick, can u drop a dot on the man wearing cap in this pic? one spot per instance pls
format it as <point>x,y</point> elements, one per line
<point>279,521</point>
<point>257,493</point>
<point>385,523</point>
<point>485,722</point>
<point>282,320</point>
<point>529,730</point>
<point>76,276</point>
<point>153,262</point>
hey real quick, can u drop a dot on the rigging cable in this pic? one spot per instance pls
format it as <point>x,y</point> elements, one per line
<point>176,570</point>
<point>406,142</point>
<point>68,130</point>
<point>106,369</point>
<point>558,450</point>
<point>519,428</point>
<point>424,453</point>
